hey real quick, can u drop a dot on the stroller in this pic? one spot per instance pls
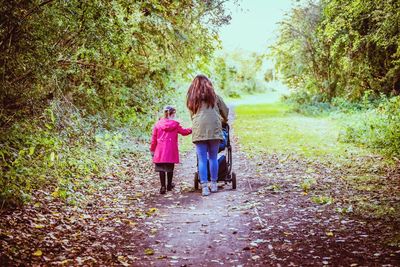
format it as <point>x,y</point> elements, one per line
<point>225,173</point>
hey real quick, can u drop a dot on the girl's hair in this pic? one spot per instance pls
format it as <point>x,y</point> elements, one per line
<point>201,90</point>
<point>168,111</point>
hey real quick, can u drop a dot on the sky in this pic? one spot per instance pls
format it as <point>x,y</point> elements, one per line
<point>254,24</point>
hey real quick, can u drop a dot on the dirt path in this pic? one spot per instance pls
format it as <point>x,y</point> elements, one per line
<point>196,230</point>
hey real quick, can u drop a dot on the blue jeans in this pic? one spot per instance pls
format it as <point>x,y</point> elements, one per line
<point>207,150</point>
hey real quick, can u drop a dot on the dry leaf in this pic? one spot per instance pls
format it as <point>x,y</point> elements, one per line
<point>149,251</point>
<point>38,253</point>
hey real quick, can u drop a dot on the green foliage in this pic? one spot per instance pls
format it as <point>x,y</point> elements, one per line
<point>322,200</point>
<point>308,104</point>
<point>269,75</point>
<point>307,184</point>
<point>378,128</point>
<point>60,149</point>
<point>101,55</point>
<point>341,48</point>
<point>295,52</point>
<point>237,73</point>
<point>363,38</point>
<point>275,188</point>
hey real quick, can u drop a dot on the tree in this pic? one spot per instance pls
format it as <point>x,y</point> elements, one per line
<point>340,48</point>
<point>101,55</point>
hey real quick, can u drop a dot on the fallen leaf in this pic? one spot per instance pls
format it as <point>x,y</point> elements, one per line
<point>123,261</point>
<point>161,257</point>
<point>38,253</point>
<point>255,258</point>
<point>151,211</point>
<point>64,262</point>
<point>149,251</point>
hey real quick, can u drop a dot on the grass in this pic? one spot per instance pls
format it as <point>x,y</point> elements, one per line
<point>272,128</point>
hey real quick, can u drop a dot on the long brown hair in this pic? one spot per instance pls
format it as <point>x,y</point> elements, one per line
<point>201,90</point>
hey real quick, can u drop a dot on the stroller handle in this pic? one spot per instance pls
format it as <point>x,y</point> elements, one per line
<point>225,125</point>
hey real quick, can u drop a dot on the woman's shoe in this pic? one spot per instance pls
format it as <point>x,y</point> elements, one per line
<point>162,190</point>
<point>204,189</point>
<point>214,187</point>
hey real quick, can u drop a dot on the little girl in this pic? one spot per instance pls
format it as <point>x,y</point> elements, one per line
<point>164,146</point>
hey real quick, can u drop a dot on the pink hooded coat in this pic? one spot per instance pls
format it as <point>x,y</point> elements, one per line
<point>164,140</point>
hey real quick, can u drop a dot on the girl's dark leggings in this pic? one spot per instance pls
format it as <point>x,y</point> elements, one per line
<point>169,176</point>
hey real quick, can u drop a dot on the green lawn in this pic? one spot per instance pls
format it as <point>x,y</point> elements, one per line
<point>272,128</point>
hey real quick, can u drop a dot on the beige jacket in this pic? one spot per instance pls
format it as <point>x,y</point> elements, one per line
<point>207,122</point>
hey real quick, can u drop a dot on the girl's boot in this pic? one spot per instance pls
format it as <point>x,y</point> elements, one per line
<point>163,190</point>
<point>170,184</point>
<point>204,189</point>
<point>162,181</point>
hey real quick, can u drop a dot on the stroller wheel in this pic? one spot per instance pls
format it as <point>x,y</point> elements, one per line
<point>196,180</point>
<point>233,180</point>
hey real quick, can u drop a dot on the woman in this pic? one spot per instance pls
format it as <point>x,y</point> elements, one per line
<point>207,111</point>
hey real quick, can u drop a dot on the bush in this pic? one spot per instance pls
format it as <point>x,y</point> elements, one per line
<point>369,100</point>
<point>59,150</point>
<point>308,104</point>
<point>377,128</point>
